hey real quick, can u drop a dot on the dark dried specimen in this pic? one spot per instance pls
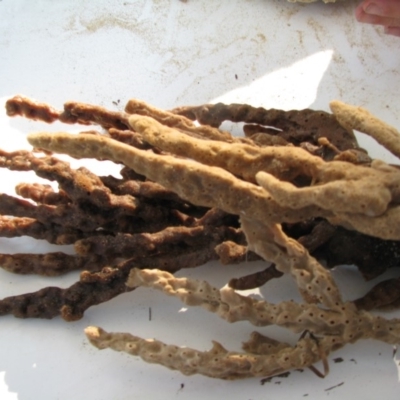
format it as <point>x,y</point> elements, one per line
<point>129,137</point>
<point>74,113</point>
<point>53,233</point>
<point>92,196</point>
<point>145,244</point>
<point>86,114</point>
<point>50,264</point>
<point>92,289</point>
<point>338,246</point>
<point>99,287</point>
<point>116,197</point>
<point>70,303</point>
<point>179,259</point>
<point>329,152</point>
<point>19,160</point>
<point>129,174</point>
<point>31,109</point>
<point>170,119</point>
<point>41,193</point>
<point>371,255</point>
<point>80,185</point>
<point>384,295</point>
<point>217,217</point>
<point>84,217</point>
<point>296,126</point>
<point>263,136</point>
<point>152,194</point>
<point>67,215</point>
<point>137,188</point>
<point>10,205</point>
<point>45,303</point>
<point>255,280</point>
<point>325,152</point>
<point>322,231</point>
<point>163,218</point>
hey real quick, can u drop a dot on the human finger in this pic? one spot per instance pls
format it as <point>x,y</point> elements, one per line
<point>382,8</point>
<point>383,12</point>
<point>392,30</point>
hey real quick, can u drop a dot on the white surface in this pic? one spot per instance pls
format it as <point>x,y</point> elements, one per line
<point>173,53</point>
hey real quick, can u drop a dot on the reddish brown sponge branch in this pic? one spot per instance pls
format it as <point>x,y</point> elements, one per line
<point>11,227</point>
<point>384,295</point>
<point>82,113</point>
<point>95,288</point>
<point>82,191</point>
<point>129,137</point>
<point>26,107</point>
<point>70,303</point>
<point>144,244</point>
<point>256,279</point>
<point>41,193</point>
<point>74,113</point>
<point>49,264</point>
<point>295,126</point>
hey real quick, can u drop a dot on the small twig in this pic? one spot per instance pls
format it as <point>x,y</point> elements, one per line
<point>321,354</point>
<point>334,387</point>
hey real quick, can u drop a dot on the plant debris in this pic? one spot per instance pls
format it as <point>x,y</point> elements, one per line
<point>334,387</point>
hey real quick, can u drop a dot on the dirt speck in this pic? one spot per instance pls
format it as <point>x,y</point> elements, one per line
<point>262,37</point>
<point>269,379</point>
<point>338,360</point>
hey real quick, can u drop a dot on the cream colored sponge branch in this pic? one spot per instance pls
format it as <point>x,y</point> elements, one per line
<point>215,363</point>
<point>343,325</point>
<point>135,106</point>
<point>358,118</point>
<point>263,357</point>
<point>197,183</point>
<point>315,282</point>
<point>338,186</point>
<point>215,187</point>
<point>240,159</point>
<point>341,187</point>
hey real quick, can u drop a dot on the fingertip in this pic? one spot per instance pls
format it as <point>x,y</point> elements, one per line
<point>392,30</point>
<point>359,12</point>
